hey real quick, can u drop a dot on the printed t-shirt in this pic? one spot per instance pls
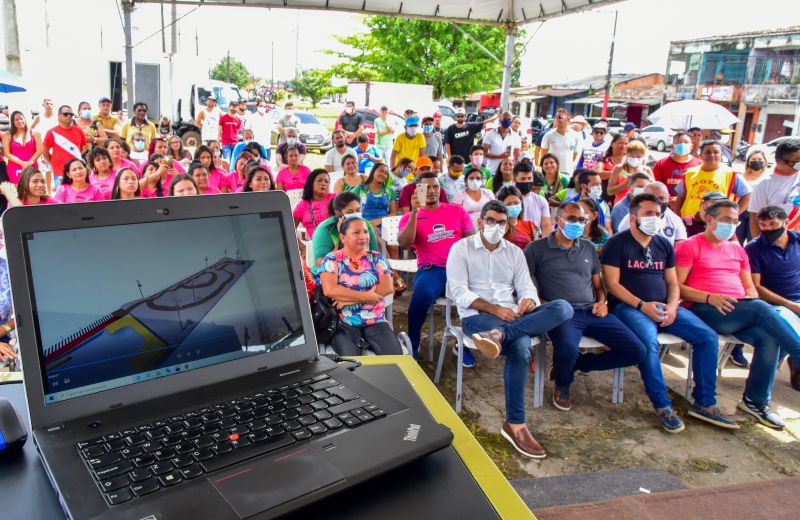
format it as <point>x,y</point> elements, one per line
<point>640,273</point>
<point>437,231</point>
<point>67,194</point>
<point>461,140</point>
<point>105,185</point>
<point>230,129</point>
<point>671,172</point>
<point>66,144</point>
<point>713,269</point>
<point>362,277</point>
<point>326,239</point>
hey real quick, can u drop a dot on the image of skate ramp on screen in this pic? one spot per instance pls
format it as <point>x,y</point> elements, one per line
<point>160,294</point>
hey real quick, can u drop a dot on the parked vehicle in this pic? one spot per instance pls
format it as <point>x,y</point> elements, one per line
<point>312,133</point>
<point>370,115</point>
<point>658,137</point>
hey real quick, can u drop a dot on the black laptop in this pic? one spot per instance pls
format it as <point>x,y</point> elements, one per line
<point>171,367</point>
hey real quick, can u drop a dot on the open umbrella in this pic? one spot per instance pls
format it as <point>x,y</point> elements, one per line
<point>693,112</point>
<point>10,83</point>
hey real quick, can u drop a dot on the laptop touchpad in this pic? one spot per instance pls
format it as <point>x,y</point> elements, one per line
<point>264,483</point>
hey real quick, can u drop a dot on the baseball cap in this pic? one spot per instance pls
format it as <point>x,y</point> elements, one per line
<point>525,155</point>
<point>460,110</point>
<point>424,161</point>
<point>714,195</point>
<point>104,99</point>
<point>212,97</point>
<point>629,127</point>
<point>600,126</point>
<point>412,120</point>
<point>437,114</point>
<point>579,119</point>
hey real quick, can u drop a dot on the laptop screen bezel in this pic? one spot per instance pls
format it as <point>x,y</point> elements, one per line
<point>18,222</point>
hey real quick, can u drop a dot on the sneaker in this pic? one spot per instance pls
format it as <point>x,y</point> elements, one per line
<point>561,399</point>
<point>469,359</point>
<point>669,420</point>
<point>488,342</point>
<point>738,359</point>
<point>761,412</point>
<point>712,415</point>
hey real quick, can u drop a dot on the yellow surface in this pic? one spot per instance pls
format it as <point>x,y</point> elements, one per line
<point>494,485</point>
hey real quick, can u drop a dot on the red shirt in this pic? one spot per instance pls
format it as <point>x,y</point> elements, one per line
<point>670,172</point>
<point>230,129</point>
<point>59,155</point>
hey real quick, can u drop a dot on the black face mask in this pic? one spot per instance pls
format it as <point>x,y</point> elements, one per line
<point>757,165</point>
<point>525,187</point>
<point>773,235</point>
<point>664,208</point>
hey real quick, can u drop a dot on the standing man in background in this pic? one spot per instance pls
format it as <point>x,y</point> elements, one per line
<point>208,120</point>
<point>384,134</point>
<point>352,123</point>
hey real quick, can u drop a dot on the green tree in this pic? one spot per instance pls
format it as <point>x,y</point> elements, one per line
<point>425,52</point>
<point>231,70</point>
<point>313,84</point>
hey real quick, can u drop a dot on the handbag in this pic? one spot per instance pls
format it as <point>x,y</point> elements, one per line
<point>324,316</point>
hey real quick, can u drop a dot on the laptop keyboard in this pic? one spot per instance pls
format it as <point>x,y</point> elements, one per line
<point>164,453</point>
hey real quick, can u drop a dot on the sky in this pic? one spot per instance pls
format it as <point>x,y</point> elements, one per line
<point>564,49</point>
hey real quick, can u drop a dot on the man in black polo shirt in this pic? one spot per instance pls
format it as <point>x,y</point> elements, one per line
<point>352,123</point>
<point>775,265</point>
<point>566,266</point>
<point>639,271</point>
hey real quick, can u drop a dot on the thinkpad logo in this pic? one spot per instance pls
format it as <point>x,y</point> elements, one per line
<point>412,432</point>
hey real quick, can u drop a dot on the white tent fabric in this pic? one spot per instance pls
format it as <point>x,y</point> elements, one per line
<point>490,12</point>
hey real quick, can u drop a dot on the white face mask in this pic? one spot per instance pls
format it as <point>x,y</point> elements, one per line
<point>289,112</point>
<point>412,130</point>
<point>291,141</point>
<point>650,225</point>
<point>262,110</point>
<point>477,160</point>
<point>596,192</point>
<point>634,162</point>
<point>637,191</point>
<point>493,234</point>
<point>474,184</point>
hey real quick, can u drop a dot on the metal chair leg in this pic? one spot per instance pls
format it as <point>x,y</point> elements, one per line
<point>689,375</point>
<point>430,333</point>
<point>440,364</point>
<point>540,358</point>
<point>459,373</point>
<point>616,394</point>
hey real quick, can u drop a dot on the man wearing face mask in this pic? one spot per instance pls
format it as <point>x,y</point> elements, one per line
<point>715,280</point>
<point>453,181</point>
<point>258,127</point>
<point>352,123</point>
<point>433,143</point>
<point>636,185</point>
<point>639,272</point>
<point>291,141</point>
<point>566,266</point>
<point>500,309</point>
<point>477,160</point>
<point>696,224</point>
<point>775,265</point>
<point>459,138</point>
<point>563,142</point>
<point>501,143</point>
<point>409,144</point>
<point>588,183</point>
<point>536,208</point>
<point>781,188</point>
<point>671,169</point>
<point>671,226</point>
<point>288,120</point>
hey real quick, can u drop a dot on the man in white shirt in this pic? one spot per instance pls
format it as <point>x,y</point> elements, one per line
<point>333,159</point>
<point>672,226</point>
<point>484,273</point>
<point>208,120</point>
<point>259,126</point>
<point>781,188</point>
<point>501,143</point>
<point>563,142</point>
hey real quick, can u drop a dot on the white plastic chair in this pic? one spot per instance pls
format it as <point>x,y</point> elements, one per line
<point>295,196</point>
<point>727,344</point>
<point>334,176</point>
<point>665,342</point>
<point>591,345</point>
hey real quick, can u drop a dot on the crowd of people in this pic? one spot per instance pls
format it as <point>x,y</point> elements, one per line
<point>576,237</point>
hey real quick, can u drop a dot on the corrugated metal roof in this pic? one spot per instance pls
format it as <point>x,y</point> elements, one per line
<point>743,35</point>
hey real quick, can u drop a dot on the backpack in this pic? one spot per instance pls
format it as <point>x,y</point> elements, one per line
<point>325,317</point>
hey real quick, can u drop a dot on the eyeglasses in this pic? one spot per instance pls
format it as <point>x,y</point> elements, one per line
<point>579,220</point>
<point>141,110</point>
<point>492,221</point>
<point>67,114</point>
<point>648,258</point>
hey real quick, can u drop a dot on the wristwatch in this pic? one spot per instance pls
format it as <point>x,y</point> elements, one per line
<point>7,328</point>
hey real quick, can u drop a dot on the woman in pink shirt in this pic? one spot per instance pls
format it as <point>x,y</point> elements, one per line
<point>116,150</point>
<point>237,178</point>
<point>313,208</point>
<point>21,146</point>
<point>294,175</point>
<point>258,178</point>
<point>199,173</point>
<point>156,179</point>
<point>101,175</point>
<point>75,185</point>
<point>126,185</point>
<point>32,188</point>
<point>217,178</point>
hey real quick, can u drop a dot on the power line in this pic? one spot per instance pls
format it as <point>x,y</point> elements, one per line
<point>168,25</point>
<point>525,47</point>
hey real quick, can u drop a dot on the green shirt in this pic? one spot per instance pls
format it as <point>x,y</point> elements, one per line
<point>382,141</point>
<point>326,239</point>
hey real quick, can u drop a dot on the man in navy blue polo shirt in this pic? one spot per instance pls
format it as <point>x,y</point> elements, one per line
<point>775,264</point>
<point>639,272</point>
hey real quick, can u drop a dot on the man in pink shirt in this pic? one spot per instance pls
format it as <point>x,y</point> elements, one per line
<point>715,281</point>
<point>229,125</point>
<point>431,229</point>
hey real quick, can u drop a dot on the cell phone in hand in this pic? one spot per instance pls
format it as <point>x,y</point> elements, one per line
<point>422,194</point>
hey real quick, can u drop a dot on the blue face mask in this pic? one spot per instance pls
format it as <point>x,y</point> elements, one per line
<point>428,129</point>
<point>682,149</point>
<point>505,123</point>
<point>724,231</point>
<point>573,230</point>
<point>514,210</point>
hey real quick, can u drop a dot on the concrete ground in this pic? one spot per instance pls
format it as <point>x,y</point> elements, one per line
<point>598,435</point>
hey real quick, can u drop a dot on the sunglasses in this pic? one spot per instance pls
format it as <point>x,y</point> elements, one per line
<point>601,132</point>
<point>141,110</point>
<point>68,114</point>
<point>579,220</point>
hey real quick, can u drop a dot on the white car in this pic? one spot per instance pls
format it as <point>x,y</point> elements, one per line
<point>658,137</point>
<point>313,134</point>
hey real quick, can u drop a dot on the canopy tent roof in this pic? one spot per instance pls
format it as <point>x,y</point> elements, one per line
<point>487,12</point>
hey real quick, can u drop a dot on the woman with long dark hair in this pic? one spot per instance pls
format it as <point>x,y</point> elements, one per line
<point>21,146</point>
<point>199,173</point>
<point>32,188</point>
<point>126,185</point>
<point>377,198</point>
<point>313,206</point>
<point>292,176</point>
<point>118,151</point>
<point>101,175</point>
<point>258,178</point>
<point>175,149</point>
<point>217,178</point>
<point>554,181</point>
<point>596,233</point>
<point>503,176</point>
<point>182,185</point>
<point>156,178</point>
<point>75,185</point>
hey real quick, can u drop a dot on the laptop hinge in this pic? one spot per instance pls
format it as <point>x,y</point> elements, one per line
<point>55,428</point>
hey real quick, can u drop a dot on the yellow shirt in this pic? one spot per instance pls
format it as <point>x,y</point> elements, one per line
<point>109,122</point>
<point>410,147</point>
<point>697,182</point>
<point>130,128</point>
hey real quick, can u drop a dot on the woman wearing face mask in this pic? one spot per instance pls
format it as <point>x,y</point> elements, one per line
<point>521,232</point>
<point>126,185</point>
<point>596,233</point>
<point>351,180</point>
<point>32,188</point>
<point>754,169</point>
<point>474,196</point>
<point>21,146</point>
<point>199,173</point>
<point>93,130</point>
<point>294,175</point>
<point>313,206</point>
<point>217,178</point>
<point>326,236</point>
<point>402,175</point>
<point>101,175</point>
<point>75,186</point>
<point>635,154</point>
<point>553,180</point>
<point>377,199</point>
<point>139,148</point>
<point>504,176</point>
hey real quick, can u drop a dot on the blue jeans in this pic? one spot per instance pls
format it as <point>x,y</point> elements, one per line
<point>686,326</point>
<point>517,336</point>
<point>758,323</point>
<point>625,349</point>
<point>429,284</point>
<point>57,181</point>
<point>227,150</point>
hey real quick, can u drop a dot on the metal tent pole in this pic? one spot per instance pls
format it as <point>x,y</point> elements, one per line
<point>127,9</point>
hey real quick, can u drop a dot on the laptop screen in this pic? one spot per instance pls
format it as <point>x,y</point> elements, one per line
<point>119,305</point>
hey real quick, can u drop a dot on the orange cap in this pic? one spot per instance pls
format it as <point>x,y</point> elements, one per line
<point>424,161</point>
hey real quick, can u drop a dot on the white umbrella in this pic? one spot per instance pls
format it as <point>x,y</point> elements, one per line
<point>693,112</point>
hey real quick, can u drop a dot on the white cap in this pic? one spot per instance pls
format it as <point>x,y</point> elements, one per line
<point>460,110</point>
<point>579,119</point>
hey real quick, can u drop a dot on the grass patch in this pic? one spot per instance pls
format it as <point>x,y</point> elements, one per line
<point>706,465</point>
<point>498,449</point>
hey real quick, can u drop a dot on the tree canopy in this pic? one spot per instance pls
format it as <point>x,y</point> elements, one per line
<point>232,71</point>
<point>313,84</point>
<point>420,51</point>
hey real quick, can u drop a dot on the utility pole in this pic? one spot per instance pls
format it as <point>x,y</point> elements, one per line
<point>228,67</point>
<point>174,28</point>
<point>610,64</point>
<point>127,8</point>
<point>46,26</point>
<point>196,43</point>
<point>13,61</point>
<point>163,35</point>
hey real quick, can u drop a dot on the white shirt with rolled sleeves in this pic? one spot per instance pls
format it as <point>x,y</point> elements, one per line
<point>499,145</point>
<point>494,276</point>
